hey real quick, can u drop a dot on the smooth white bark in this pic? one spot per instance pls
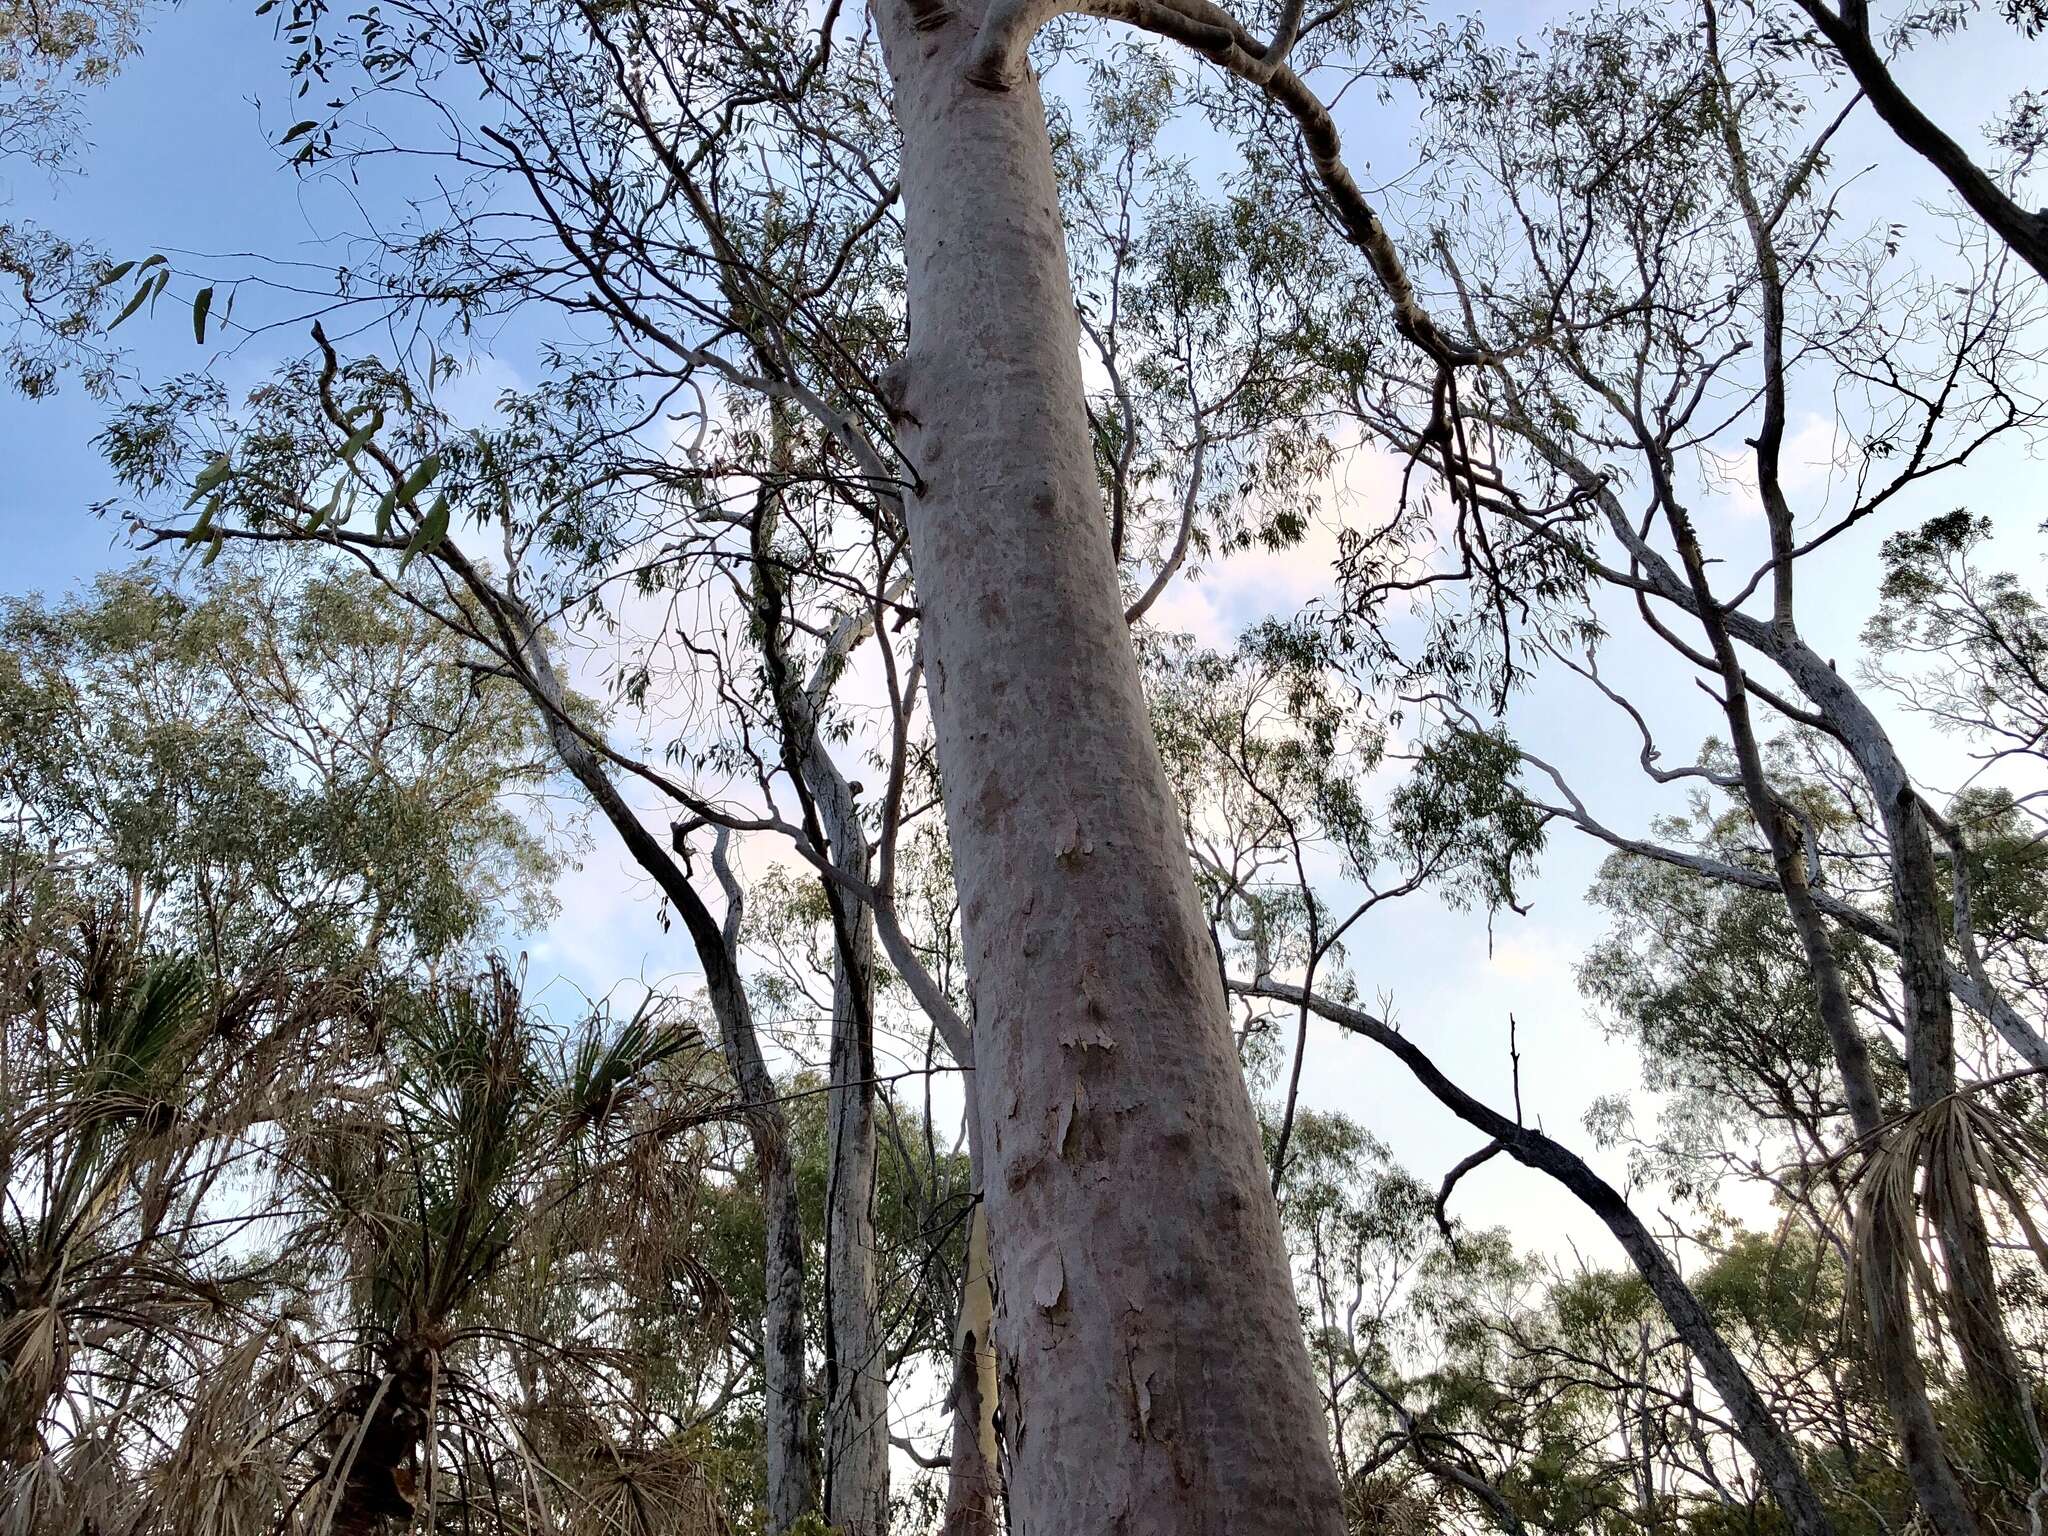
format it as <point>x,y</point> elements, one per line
<point>1152,1372</point>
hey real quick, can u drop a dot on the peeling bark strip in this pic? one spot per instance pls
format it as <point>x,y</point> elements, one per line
<point>1153,1375</point>
<point>974,1479</point>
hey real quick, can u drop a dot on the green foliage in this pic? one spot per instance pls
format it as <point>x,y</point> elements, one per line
<point>1222,321</point>
<point>227,749</point>
<point>229,857</point>
<point>1965,647</point>
<point>1462,812</point>
<point>1709,982</point>
<point>538,1238</point>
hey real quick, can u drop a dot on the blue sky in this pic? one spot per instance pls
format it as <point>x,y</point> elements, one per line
<point>169,168</point>
<point>182,161</point>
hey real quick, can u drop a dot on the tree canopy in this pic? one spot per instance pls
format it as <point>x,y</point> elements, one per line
<point>1079,568</point>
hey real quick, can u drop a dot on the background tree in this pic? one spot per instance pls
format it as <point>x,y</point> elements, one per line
<point>222,847</point>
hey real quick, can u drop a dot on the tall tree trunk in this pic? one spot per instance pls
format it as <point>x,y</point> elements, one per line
<point>856,1424</point>
<point>1885,1267</point>
<point>1885,1270</point>
<point>1975,1314</point>
<point>791,1455</point>
<point>1153,1375</point>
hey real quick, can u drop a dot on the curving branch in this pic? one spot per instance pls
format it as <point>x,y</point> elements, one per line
<point>1774,1454</point>
<point>1848,34</point>
<point>997,56</point>
<point>1968,988</point>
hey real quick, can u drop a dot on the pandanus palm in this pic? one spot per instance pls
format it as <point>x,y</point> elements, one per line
<point>453,1210</point>
<point>115,1126</point>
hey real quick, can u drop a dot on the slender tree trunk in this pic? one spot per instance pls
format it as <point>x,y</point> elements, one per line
<point>1886,1270</point>
<point>1975,1314</point>
<point>1153,1376</point>
<point>786,1429</point>
<point>856,1462</point>
<point>856,1422</point>
<point>974,1479</point>
<point>791,1455</point>
<point>1885,1267</point>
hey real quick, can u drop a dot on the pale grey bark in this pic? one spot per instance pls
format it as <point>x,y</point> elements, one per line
<point>1887,1294</point>
<point>786,1425</point>
<point>1883,1262</point>
<point>1974,1310</point>
<point>856,1437</point>
<point>855,1460</point>
<point>1153,1376</point>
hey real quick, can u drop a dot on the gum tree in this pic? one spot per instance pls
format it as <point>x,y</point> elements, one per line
<point>698,181</point>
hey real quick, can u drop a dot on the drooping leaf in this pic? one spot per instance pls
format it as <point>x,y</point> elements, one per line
<point>427,537</point>
<point>216,471</point>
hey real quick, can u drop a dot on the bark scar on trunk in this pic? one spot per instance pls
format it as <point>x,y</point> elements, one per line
<point>1050,1291</point>
<point>928,15</point>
